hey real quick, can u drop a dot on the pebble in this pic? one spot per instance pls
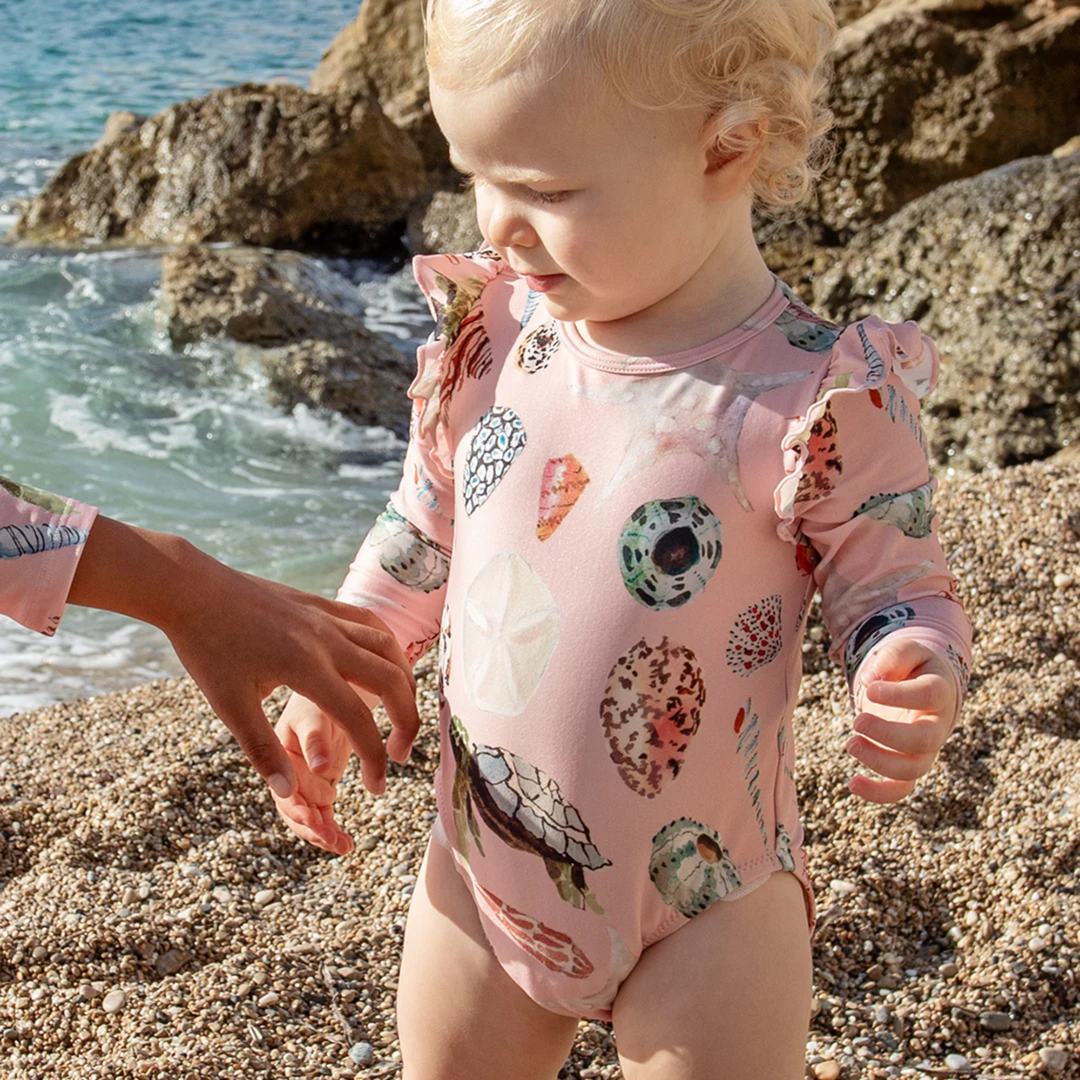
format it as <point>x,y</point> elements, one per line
<point>114,1001</point>
<point>827,1070</point>
<point>221,894</point>
<point>268,999</point>
<point>191,871</point>
<point>264,897</point>
<point>1054,1058</point>
<point>1062,581</point>
<point>362,1053</point>
<point>958,1063</point>
<point>170,962</point>
<point>995,1021</point>
<point>948,970</point>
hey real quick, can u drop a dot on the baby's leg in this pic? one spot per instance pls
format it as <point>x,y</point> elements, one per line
<point>459,1014</point>
<point>726,997</point>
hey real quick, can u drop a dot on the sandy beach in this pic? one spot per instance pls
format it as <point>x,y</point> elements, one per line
<point>156,920</point>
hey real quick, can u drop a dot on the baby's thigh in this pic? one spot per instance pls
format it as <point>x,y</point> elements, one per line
<point>726,997</point>
<point>459,1014</point>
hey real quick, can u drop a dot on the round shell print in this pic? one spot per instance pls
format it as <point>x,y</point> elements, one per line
<point>755,639</point>
<point>407,555</point>
<point>669,550</point>
<point>651,711</point>
<point>538,348</point>
<point>690,867</point>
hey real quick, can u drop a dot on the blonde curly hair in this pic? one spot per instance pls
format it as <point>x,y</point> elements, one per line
<point>756,65</point>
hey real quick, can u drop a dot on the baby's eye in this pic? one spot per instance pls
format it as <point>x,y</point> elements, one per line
<point>547,198</point>
<point>468,182</point>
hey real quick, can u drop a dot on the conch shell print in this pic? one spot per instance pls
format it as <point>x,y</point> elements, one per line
<point>510,627</point>
<point>561,486</point>
<point>690,867</point>
<point>651,711</point>
<point>538,348</point>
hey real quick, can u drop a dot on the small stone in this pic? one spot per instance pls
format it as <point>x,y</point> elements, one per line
<point>367,843</point>
<point>268,999</point>
<point>958,1063</point>
<point>191,871</point>
<point>114,1001</point>
<point>129,897</point>
<point>362,1053</point>
<point>948,970</point>
<point>995,1021</point>
<point>1036,945</point>
<point>883,1016</point>
<point>1054,1058</point>
<point>264,897</point>
<point>221,894</point>
<point>40,953</point>
<point>170,962</point>
<point>841,887</point>
<point>827,1070</point>
<point>1062,581</point>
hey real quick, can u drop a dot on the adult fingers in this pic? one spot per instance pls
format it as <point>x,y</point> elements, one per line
<point>339,701</point>
<point>368,631</point>
<point>398,696</point>
<point>246,720</point>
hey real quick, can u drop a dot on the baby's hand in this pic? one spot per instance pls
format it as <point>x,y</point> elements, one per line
<point>319,751</point>
<point>913,698</point>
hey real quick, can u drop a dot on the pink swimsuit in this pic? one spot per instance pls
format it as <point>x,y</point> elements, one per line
<point>635,540</point>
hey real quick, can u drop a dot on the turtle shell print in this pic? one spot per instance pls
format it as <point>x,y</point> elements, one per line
<point>669,550</point>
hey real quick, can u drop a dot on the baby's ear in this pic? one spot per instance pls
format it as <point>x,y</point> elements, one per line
<point>734,137</point>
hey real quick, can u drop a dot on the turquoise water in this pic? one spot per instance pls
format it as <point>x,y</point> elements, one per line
<point>94,402</point>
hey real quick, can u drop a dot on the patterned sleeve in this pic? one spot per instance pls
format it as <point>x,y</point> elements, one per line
<point>859,493</point>
<point>400,571</point>
<point>41,540</point>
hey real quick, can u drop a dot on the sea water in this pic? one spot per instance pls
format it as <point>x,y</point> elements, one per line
<point>94,401</point>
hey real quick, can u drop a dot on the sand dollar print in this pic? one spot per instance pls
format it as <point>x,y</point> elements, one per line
<point>690,867</point>
<point>651,711</point>
<point>510,627</point>
<point>871,631</point>
<point>407,554</point>
<point>756,637</point>
<point>669,550</point>
<point>538,348</point>
<point>497,439</point>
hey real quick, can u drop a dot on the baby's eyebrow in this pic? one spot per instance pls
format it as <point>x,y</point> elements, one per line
<point>507,175</point>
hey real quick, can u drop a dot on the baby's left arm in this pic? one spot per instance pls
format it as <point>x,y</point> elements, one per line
<point>865,505</point>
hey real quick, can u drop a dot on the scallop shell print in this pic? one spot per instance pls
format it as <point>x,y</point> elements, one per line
<point>497,439</point>
<point>510,627</point>
<point>651,711</point>
<point>690,867</point>
<point>554,949</point>
<point>538,348</point>
<point>871,631</point>
<point>407,554</point>
<point>561,486</point>
<point>669,550</point>
<point>756,638</point>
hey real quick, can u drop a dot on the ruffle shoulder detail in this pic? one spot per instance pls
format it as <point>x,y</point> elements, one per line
<point>458,348</point>
<point>867,356</point>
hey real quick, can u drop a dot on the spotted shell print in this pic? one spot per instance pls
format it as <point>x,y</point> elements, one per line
<point>822,462</point>
<point>690,867</point>
<point>804,328</point>
<point>407,555</point>
<point>651,711</point>
<point>912,512</point>
<point>561,486</point>
<point>669,550</point>
<point>554,949</point>
<point>538,348</point>
<point>871,631</point>
<point>497,439</point>
<point>756,637</point>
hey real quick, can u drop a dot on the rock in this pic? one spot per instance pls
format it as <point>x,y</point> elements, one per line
<point>119,124</point>
<point>362,1053</point>
<point>1054,1059</point>
<point>268,165</point>
<point>446,223</point>
<point>1069,148</point>
<point>958,1063</point>
<point>382,51</point>
<point>995,1021</point>
<point>272,997</point>
<point>304,320</point>
<point>264,897</point>
<point>948,969</point>
<point>988,268</point>
<point>929,91</point>
<point>827,1070</point>
<point>114,1001</point>
<point>171,961</point>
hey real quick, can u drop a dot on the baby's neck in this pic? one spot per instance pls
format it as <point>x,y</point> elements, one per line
<point>728,288</point>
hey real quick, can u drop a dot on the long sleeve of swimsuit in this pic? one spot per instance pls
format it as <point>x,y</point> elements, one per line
<point>862,499</point>
<point>41,540</point>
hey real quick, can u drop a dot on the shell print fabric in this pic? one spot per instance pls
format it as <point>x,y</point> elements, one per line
<point>532,302</point>
<point>29,539</point>
<point>871,631</point>
<point>525,808</point>
<point>510,628</point>
<point>783,848</point>
<point>445,645</point>
<point>911,512</point>
<point>690,867</point>
<point>554,949</point>
<point>497,440</point>
<point>669,550</point>
<point>748,732</point>
<point>538,348</point>
<point>822,464</point>
<point>407,555</point>
<point>756,637</point>
<point>561,486</point>
<point>651,711</point>
<point>804,328</point>
<point>54,504</point>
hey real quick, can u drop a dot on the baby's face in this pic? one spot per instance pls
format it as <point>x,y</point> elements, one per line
<point>604,206</point>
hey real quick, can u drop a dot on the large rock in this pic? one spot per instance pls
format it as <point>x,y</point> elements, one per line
<point>929,91</point>
<point>989,267</point>
<point>305,322</point>
<point>264,165</point>
<point>446,223</point>
<point>382,51</point>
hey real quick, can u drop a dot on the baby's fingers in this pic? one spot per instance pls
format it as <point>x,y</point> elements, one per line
<point>928,693</point>
<point>916,738</point>
<point>889,763</point>
<point>880,791</point>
